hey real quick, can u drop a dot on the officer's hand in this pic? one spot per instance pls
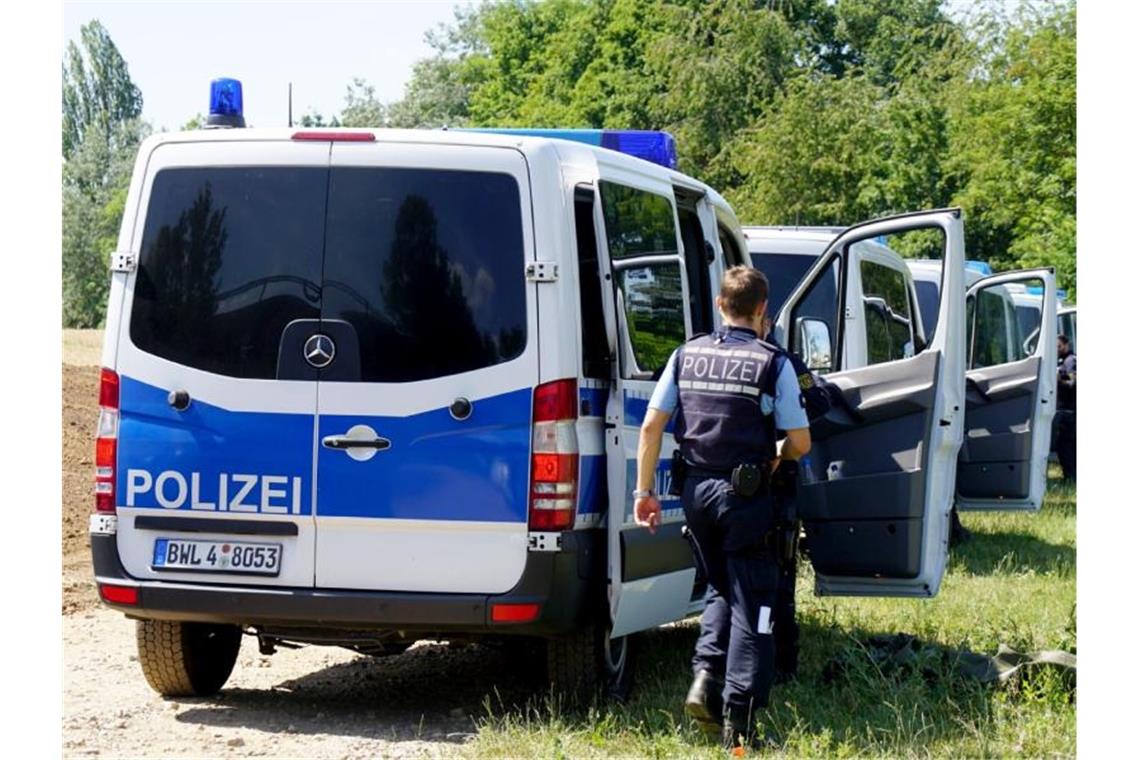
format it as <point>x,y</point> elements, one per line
<point>647,512</point>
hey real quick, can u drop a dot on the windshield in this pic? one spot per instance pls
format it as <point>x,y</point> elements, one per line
<point>784,271</point>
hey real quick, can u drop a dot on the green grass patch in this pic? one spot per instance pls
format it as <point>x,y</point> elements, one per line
<point>1014,582</point>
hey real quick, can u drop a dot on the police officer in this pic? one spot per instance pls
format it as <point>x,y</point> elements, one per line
<point>730,391</point>
<point>1065,419</point>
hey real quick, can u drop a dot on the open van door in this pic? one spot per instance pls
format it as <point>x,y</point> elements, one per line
<point>1011,385</point>
<point>642,264</point>
<point>879,482</point>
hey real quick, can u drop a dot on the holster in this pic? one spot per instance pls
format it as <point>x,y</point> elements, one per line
<point>784,481</point>
<point>678,471</point>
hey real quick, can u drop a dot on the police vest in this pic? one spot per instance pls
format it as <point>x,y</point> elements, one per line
<point>719,380</point>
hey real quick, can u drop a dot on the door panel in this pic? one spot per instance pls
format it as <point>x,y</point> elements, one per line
<point>651,577</point>
<point>426,248</point>
<point>878,486</point>
<point>1009,400</point>
<point>228,240</point>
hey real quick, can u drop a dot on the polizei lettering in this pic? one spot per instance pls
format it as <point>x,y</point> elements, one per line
<point>226,492</point>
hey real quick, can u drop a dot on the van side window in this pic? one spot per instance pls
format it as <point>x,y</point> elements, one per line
<point>886,311</point>
<point>697,269</point>
<point>654,312</point>
<point>595,347</point>
<point>731,252</point>
<point>638,223</point>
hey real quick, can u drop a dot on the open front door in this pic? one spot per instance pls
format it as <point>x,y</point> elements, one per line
<point>879,481</point>
<point>641,258</point>
<point>1011,388</point>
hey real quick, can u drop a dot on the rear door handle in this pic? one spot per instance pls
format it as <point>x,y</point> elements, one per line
<point>345,442</point>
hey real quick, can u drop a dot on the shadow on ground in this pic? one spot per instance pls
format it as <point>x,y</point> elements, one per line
<point>1010,554</point>
<point>428,693</point>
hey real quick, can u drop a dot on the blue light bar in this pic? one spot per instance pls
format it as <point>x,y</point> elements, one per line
<point>658,147</point>
<point>981,267</point>
<point>225,104</point>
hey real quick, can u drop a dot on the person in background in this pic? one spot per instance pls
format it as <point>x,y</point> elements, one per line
<point>1065,420</point>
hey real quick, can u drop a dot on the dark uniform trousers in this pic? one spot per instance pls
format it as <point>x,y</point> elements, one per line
<point>736,639</point>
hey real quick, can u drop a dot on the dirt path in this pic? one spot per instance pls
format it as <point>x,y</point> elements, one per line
<point>310,702</point>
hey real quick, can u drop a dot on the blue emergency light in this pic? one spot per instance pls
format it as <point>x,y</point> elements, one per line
<point>658,147</point>
<point>981,267</point>
<point>225,104</point>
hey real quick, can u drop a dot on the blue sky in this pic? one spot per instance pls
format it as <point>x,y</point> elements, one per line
<point>174,49</point>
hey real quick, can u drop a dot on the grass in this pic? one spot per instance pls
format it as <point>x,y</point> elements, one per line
<point>1013,583</point>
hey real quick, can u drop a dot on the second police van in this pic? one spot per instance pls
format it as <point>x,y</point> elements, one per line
<point>367,387</point>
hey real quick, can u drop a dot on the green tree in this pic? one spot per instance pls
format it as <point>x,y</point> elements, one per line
<point>95,183</point>
<point>361,107</point>
<point>1013,142</point>
<point>97,88</point>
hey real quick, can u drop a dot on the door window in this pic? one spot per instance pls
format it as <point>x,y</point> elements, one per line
<point>815,320</point>
<point>427,266</point>
<point>784,272</point>
<point>697,268</point>
<point>229,257</point>
<point>654,312</point>
<point>595,347</point>
<point>638,223</point>
<point>997,333</point>
<point>886,311</point>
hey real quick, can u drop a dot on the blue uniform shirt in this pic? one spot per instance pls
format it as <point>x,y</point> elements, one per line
<point>786,406</point>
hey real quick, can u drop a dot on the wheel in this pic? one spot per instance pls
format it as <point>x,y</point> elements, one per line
<point>588,663</point>
<point>186,659</point>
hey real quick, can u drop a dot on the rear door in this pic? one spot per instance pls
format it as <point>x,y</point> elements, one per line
<point>879,482</point>
<point>424,406</point>
<point>641,255</point>
<point>228,238</point>
<point>1011,388</point>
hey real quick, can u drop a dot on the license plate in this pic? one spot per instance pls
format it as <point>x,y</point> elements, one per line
<point>217,556</point>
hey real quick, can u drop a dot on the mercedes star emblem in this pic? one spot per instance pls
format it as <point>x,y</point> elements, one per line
<point>319,351</point>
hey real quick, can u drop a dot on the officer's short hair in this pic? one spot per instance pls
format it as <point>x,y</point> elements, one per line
<point>1063,338</point>
<point>742,291</point>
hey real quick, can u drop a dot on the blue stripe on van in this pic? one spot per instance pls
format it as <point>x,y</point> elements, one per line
<point>437,468</point>
<point>593,401</point>
<point>210,459</point>
<point>592,489</point>
<point>635,410</point>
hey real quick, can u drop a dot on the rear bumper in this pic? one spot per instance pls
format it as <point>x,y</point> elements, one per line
<point>567,585</point>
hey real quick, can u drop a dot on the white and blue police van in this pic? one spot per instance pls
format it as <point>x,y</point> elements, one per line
<point>366,387</point>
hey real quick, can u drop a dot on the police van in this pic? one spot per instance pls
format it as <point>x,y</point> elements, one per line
<point>366,387</point>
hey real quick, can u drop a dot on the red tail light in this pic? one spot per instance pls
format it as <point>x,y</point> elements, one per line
<point>513,613</point>
<point>119,594</point>
<point>106,441</point>
<point>554,462</point>
<point>335,136</point>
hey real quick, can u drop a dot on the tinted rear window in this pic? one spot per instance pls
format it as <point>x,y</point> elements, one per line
<point>927,305</point>
<point>784,271</point>
<point>229,256</point>
<point>428,268</point>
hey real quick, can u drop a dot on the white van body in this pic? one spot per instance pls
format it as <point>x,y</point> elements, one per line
<point>364,387</point>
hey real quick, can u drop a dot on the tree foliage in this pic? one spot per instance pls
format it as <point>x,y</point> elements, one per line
<point>97,88</point>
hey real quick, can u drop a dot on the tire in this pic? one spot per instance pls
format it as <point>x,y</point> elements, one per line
<point>186,659</point>
<point>588,664</point>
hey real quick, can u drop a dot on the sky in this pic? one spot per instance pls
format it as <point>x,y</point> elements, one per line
<point>174,49</point>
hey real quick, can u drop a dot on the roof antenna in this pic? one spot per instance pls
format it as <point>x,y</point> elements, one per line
<point>290,105</point>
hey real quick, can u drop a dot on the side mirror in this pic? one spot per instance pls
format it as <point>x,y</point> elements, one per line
<point>814,343</point>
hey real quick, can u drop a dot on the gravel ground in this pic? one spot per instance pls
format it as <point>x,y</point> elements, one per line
<point>309,702</point>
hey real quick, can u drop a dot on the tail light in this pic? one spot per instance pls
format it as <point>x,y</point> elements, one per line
<point>106,441</point>
<point>554,463</point>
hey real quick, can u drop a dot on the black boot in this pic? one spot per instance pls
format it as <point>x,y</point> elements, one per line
<point>739,729</point>
<point>705,702</point>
